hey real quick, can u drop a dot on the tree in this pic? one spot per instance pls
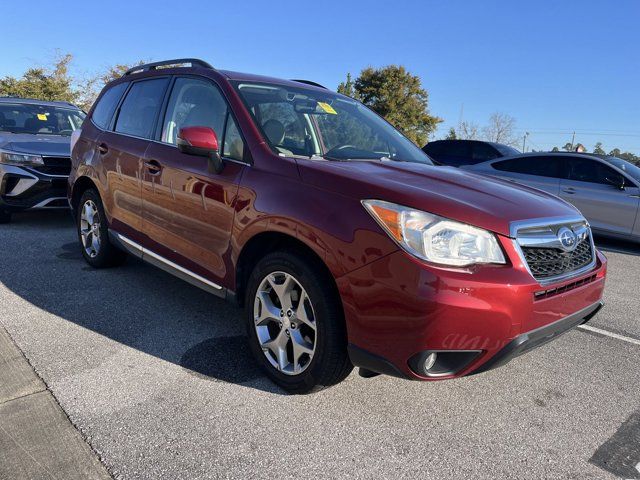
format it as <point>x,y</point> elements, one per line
<point>397,96</point>
<point>467,131</point>
<point>568,147</point>
<point>53,83</point>
<point>452,134</point>
<point>630,157</point>
<point>501,129</point>
<point>615,152</point>
<point>90,88</point>
<point>117,71</point>
<point>598,150</point>
<point>347,88</point>
<point>555,149</point>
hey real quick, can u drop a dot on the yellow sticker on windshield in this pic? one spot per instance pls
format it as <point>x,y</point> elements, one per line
<point>327,108</point>
<point>42,116</point>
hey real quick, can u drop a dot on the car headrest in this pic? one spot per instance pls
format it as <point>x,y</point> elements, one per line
<point>32,124</point>
<point>274,130</point>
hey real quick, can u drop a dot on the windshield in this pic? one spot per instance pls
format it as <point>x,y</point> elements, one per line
<point>39,119</point>
<point>308,123</point>
<point>629,168</point>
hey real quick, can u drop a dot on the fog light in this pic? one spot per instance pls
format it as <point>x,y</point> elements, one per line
<point>442,363</point>
<point>429,362</point>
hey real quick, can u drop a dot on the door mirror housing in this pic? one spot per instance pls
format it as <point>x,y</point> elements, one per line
<point>617,181</point>
<point>202,142</point>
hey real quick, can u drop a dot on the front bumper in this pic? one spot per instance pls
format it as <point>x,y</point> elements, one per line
<point>22,188</point>
<point>398,310</point>
<point>536,338</point>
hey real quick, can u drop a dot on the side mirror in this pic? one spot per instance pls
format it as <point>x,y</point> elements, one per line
<point>203,142</point>
<point>617,181</point>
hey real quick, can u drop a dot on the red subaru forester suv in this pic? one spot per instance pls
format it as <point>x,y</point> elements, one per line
<point>342,241</point>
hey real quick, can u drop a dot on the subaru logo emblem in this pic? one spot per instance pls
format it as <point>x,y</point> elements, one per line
<point>568,239</point>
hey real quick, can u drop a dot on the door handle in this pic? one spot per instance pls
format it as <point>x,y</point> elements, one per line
<point>153,166</point>
<point>102,148</point>
<point>569,190</point>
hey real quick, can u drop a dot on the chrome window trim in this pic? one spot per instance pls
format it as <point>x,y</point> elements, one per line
<point>226,159</point>
<point>514,227</point>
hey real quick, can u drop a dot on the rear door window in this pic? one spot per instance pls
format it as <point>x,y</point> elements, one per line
<point>107,105</point>
<point>539,166</point>
<point>457,149</point>
<point>140,108</point>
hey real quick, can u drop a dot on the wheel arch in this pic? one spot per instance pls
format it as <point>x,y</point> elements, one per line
<point>80,186</point>
<point>265,242</point>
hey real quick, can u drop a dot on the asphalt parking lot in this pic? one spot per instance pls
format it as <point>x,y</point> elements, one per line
<point>155,375</point>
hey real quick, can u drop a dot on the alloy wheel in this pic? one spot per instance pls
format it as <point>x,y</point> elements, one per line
<point>90,228</point>
<point>285,323</point>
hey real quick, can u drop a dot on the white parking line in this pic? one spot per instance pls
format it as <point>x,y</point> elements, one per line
<point>610,334</point>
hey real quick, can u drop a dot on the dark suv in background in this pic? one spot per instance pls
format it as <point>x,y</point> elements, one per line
<point>344,243</point>
<point>455,153</point>
<point>35,153</point>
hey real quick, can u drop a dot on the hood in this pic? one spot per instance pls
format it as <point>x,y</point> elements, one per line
<point>478,200</point>
<point>41,144</point>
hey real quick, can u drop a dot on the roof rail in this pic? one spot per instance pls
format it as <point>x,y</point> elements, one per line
<point>154,66</point>
<point>309,82</point>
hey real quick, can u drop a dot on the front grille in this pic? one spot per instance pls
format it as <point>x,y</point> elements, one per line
<point>545,254</point>
<point>551,262</point>
<point>55,166</point>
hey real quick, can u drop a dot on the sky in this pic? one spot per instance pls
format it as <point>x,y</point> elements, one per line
<point>555,66</point>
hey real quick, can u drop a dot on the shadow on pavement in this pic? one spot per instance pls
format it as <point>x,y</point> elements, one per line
<point>619,246</point>
<point>136,304</point>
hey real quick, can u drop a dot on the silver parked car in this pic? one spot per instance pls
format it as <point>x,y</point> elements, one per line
<point>605,189</point>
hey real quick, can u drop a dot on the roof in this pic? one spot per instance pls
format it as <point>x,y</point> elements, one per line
<point>561,154</point>
<point>33,101</point>
<point>469,140</point>
<point>250,77</point>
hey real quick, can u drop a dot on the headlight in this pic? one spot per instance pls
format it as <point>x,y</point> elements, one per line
<point>20,159</point>
<point>434,238</point>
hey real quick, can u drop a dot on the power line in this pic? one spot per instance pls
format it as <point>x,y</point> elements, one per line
<point>578,132</point>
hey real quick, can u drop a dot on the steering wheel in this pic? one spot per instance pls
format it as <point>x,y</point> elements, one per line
<point>339,148</point>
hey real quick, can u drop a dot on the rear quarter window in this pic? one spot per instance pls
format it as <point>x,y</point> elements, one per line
<point>107,104</point>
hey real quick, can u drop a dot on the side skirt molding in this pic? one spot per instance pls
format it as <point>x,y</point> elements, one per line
<point>159,261</point>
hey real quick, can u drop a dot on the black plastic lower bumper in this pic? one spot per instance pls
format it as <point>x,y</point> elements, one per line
<point>536,338</point>
<point>46,191</point>
<point>371,364</point>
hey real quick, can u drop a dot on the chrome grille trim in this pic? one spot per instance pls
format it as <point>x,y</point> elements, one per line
<point>542,234</point>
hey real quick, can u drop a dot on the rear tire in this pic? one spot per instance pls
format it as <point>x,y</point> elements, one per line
<point>295,323</point>
<point>93,233</point>
<point>5,217</point>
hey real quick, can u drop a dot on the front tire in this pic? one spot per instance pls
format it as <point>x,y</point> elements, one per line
<point>295,323</point>
<point>93,233</point>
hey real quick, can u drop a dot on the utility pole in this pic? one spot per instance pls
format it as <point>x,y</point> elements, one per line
<point>573,139</point>
<point>524,142</point>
